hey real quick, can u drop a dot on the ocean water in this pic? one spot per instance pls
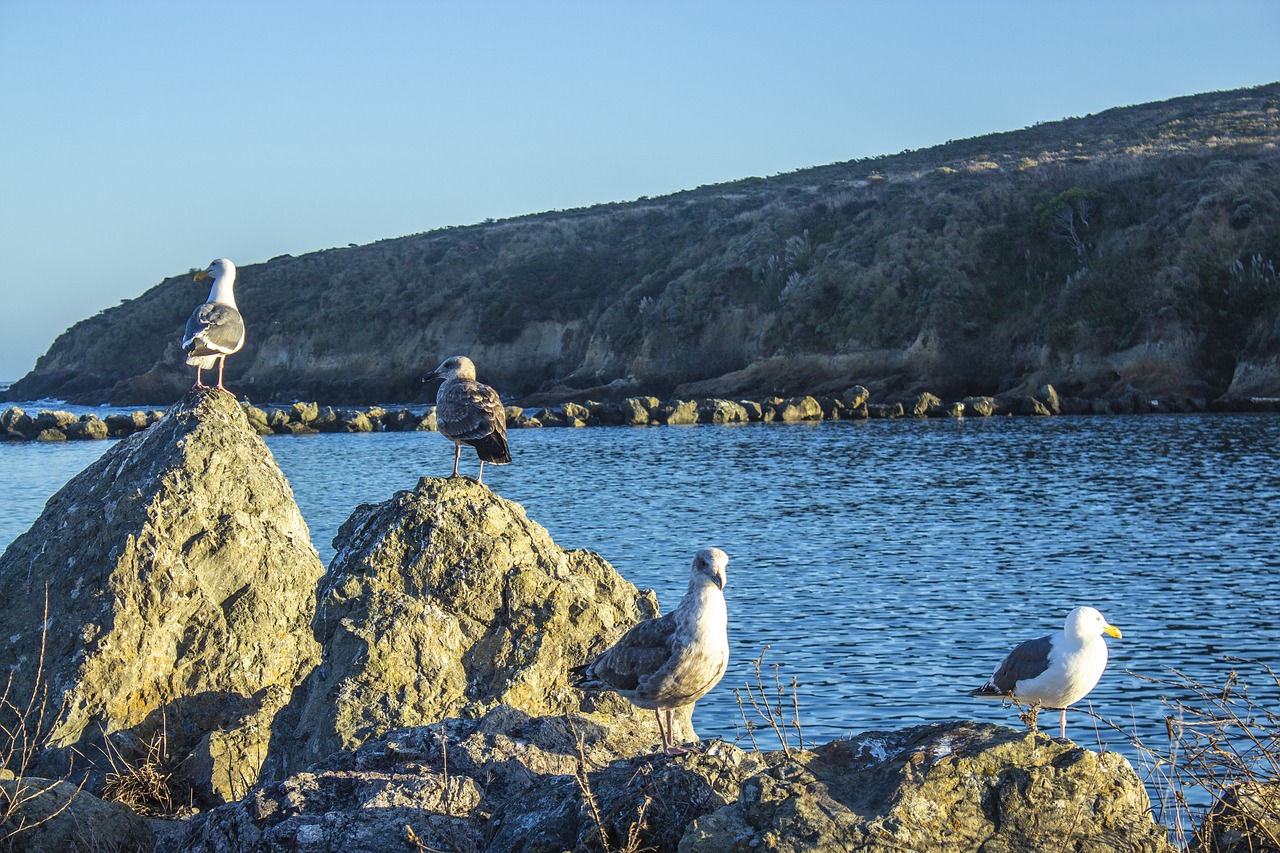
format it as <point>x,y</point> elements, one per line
<point>888,566</point>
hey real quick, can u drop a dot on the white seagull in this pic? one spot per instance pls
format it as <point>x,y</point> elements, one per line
<point>1055,671</point>
<point>470,412</point>
<point>673,660</point>
<point>215,329</point>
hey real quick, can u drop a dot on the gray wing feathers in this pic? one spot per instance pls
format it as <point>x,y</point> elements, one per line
<point>1025,662</point>
<point>213,329</point>
<point>470,411</point>
<point>643,653</point>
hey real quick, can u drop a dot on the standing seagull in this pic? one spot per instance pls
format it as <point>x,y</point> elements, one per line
<point>470,412</point>
<point>215,329</point>
<point>1054,671</point>
<point>673,660</point>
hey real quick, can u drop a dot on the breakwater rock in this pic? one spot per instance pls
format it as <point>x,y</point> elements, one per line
<point>179,578</point>
<point>854,404</point>
<point>510,782</point>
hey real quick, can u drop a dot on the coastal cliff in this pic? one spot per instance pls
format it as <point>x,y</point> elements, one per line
<point>1132,251</point>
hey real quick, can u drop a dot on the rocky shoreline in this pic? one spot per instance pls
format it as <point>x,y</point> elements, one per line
<point>855,404</point>
<point>212,688</point>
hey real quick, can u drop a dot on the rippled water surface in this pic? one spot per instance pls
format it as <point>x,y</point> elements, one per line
<point>888,565</point>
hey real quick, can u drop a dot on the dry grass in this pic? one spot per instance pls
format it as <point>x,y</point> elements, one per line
<point>25,724</point>
<point>631,844</point>
<point>1218,776</point>
<point>771,706</point>
<point>151,785</point>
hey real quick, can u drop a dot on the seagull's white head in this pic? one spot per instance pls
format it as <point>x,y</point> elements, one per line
<point>453,367</point>
<point>223,273</point>
<point>709,564</point>
<point>1087,622</point>
<point>219,269</point>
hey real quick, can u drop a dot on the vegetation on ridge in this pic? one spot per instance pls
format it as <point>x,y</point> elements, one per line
<point>1134,248</point>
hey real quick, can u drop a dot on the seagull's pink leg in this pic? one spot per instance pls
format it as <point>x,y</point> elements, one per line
<point>221,362</point>
<point>670,747</point>
<point>199,370</point>
<point>457,454</point>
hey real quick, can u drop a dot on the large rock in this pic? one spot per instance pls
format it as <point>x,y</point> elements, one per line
<point>181,585</point>
<point>448,601</point>
<point>45,815</point>
<point>948,787</point>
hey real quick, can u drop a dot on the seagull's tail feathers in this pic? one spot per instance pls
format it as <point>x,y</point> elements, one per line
<point>578,677</point>
<point>492,448</point>
<point>988,691</point>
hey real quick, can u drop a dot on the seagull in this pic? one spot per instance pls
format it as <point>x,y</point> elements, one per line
<point>215,329</point>
<point>470,412</point>
<point>1054,671</point>
<point>674,660</point>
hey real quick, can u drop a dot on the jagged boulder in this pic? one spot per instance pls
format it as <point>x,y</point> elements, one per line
<point>181,585</point>
<point>448,601</point>
<point>948,787</point>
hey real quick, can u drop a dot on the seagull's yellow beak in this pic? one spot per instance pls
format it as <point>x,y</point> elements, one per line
<point>202,274</point>
<point>1113,631</point>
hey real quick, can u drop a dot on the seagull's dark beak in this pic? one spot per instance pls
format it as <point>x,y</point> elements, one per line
<point>202,274</point>
<point>720,579</point>
<point>430,376</point>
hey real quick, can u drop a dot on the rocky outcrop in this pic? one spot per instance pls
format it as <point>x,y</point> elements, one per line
<point>510,782</point>
<point>1245,818</point>
<point>448,601</point>
<point>180,582</point>
<point>948,787</point>
<point>504,782</point>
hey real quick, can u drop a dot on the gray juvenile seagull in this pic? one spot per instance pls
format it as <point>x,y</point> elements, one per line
<point>1054,671</point>
<point>672,660</point>
<point>215,329</point>
<point>470,412</point>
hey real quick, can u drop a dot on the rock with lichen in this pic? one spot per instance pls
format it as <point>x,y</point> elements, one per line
<point>448,601</point>
<point>950,787</point>
<point>180,583</point>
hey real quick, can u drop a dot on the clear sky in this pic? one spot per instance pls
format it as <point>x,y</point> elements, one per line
<point>141,138</point>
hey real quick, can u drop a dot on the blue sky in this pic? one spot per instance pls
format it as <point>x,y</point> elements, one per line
<point>139,139</point>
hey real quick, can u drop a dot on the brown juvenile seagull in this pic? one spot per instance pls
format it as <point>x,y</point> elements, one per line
<point>215,329</point>
<point>470,412</point>
<point>1056,670</point>
<point>672,660</point>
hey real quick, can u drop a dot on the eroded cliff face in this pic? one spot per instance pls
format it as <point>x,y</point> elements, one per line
<point>180,585</point>
<point>1055,254</point>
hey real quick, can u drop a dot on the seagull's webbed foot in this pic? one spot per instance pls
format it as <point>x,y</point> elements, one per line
<point>682,749</point>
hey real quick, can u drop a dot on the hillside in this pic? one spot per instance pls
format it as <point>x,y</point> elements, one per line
<point>1135,248</point>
